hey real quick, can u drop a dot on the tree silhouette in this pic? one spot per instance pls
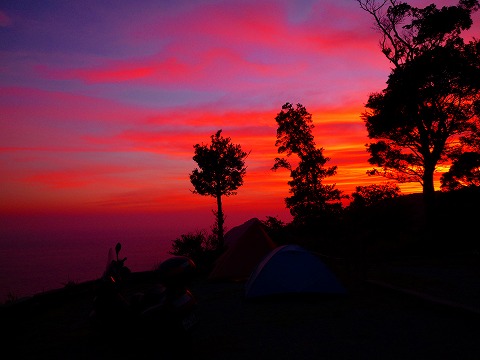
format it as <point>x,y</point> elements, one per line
<point>429,104</point>
<point>310,199</point>
<point>220,172</point>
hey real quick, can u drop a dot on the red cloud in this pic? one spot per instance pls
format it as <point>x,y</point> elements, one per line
<point>168,70</point>
<point>80,177</point>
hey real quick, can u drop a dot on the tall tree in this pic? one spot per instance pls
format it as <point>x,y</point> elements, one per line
<point>310,199</point>
<point>432,92</point>
<point>220,172</point>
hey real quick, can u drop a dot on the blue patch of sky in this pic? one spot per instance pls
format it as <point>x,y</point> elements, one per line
<point>299,11</point>
<point>75,27</point>
<point>153,97</point>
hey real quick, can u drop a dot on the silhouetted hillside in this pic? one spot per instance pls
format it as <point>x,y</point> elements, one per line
<point>398,227</point>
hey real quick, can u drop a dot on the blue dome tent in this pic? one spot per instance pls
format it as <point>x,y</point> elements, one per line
<point>292,269</point>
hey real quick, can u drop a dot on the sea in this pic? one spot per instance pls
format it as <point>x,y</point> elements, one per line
<point>39,253</point>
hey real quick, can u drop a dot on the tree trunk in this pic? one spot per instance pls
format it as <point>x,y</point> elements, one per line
<point>220,221</point>
<point>429,195</point>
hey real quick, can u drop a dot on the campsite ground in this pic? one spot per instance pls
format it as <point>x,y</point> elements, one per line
<point>371,322</point>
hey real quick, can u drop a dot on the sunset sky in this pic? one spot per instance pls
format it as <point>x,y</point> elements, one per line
<point>101,102</point>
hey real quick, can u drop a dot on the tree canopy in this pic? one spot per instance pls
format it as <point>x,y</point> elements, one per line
<point>407,31</point>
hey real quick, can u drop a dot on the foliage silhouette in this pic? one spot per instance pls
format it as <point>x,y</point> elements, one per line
<point>199,246</point>
<point>370,195</point>
<point>464,172</point>
<point>277,230</point>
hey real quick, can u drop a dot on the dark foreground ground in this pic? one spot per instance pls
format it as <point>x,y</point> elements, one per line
<point>410,309</point>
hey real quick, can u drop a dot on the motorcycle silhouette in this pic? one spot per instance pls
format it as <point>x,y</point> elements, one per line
<point>164,310</point>
<point>110,307</point>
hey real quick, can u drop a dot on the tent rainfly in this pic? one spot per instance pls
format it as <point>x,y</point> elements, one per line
<point>292,269</point>
<point>246,245</point>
